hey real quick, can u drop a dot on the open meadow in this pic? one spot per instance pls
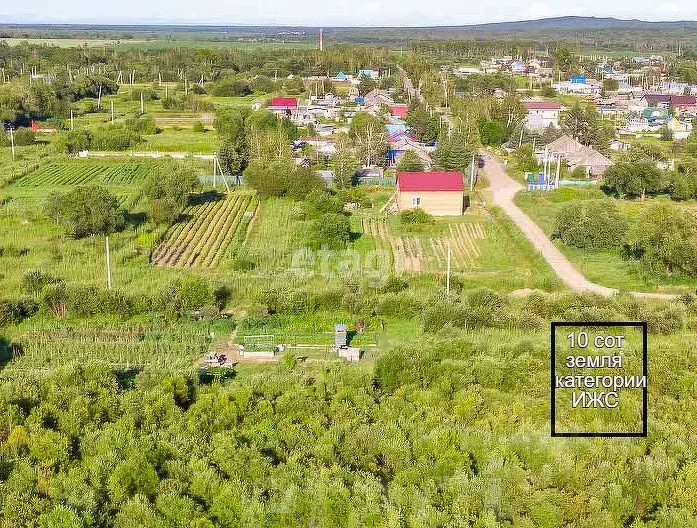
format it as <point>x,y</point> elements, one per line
<point>606,267</point>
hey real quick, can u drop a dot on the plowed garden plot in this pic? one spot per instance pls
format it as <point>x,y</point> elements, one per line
<point>428,252</point>
<point>200,240</point>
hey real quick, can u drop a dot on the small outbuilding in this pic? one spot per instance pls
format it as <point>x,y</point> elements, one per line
<point>437,193</point>
<point>340,336</point>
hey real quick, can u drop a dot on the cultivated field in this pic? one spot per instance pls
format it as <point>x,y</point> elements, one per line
<point>40,350</point>
<point>201,239</point>
<point>71,174</point>
<point>429,252</point>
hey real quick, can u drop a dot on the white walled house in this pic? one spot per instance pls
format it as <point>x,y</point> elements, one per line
<point>541,114</point>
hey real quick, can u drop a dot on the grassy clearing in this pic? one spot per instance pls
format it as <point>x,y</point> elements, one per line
<point>171,140</point>
<point>270,243</point>
<point>603,267</point>
<point>31,241</point>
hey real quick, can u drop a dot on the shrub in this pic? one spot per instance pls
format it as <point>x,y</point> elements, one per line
<point>142,125</point>
<point>24,136</point>
<point>113,137</point>
<point>89,210</point>
<point>633,179</point>
<point>592,224</point>
<point>231,87</point>
<point>320,202</point>
<point>14,311</point>
<point>73,141</point>
<point>198,127</point>
<point>665,239</point>
<point>13,251</point>
<point>186,294</point>
<point>491,131</point>
<point>415,216</point>
<point>329,230</point>
<point>87,300</point>
<point>524,159</point>
<point>282,178</point>
<point>34,280</point>
<point>666,318</point>
<point>410,162</point>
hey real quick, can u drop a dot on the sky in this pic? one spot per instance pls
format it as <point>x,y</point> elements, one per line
<point>333,12</point>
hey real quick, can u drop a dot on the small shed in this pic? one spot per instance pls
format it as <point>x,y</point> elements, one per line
<point>340,337</point>
<point>351,354</point>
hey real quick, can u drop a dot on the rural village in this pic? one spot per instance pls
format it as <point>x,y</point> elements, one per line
<point>305,277</point>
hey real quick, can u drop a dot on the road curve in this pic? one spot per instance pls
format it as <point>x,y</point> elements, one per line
<point>503,189</point>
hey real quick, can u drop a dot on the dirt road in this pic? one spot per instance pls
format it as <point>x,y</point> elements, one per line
<point>503,189</point>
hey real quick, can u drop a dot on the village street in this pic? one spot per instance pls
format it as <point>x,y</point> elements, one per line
<point>503,189</point>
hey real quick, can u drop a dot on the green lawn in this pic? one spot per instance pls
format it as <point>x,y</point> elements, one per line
<point>183,140</point>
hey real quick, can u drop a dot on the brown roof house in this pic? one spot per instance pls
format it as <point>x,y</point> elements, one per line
<point>577,155</point>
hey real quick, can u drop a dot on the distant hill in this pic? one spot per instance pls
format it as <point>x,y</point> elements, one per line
<point>557,23</point>
<point>576,23</point>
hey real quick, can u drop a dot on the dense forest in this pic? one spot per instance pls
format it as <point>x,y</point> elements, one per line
<point>451,430</point>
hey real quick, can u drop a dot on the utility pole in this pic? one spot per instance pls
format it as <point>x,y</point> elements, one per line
<point>447,280</point>
<point>215,166</point>
<point>142,104</point>
<point>112,111</point>
<point>472,175</point>
<point>12,141</point>
<point>72,119</point>
<point>108,264</point>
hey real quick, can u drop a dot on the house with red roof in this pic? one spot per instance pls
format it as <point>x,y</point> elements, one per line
<point>284,107</point>
<point>541,114</point>
<point>399,110</point>
<point>41,130</point>
<point>437,193</point>
<point>681,104</point>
